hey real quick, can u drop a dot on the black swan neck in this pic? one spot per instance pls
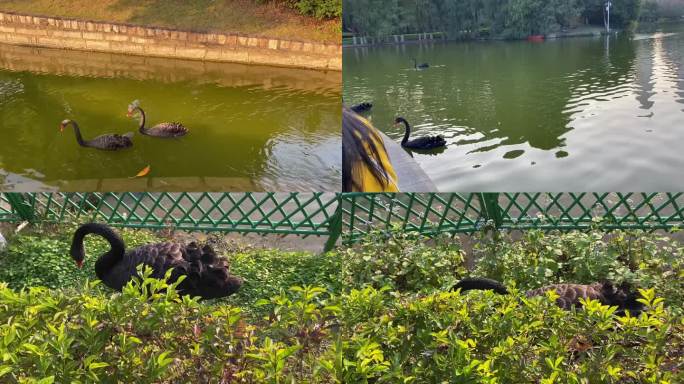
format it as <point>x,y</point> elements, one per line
<point>407,131</point>
<point>77,131</point>
<point>142,119</point>
<point>469,284</point>
<point>106,261</point>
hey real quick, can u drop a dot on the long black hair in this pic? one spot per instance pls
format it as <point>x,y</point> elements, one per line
<point>360,147</point>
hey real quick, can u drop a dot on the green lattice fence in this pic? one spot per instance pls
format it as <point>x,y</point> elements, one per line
<point>430,213</point>
<point>317,214</point>
<point>302,214</point>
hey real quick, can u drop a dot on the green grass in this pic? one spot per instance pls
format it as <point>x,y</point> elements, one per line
<point>244,16</point>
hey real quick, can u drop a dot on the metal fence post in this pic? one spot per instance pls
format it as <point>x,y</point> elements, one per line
<point>492,210</point>
<point>20,206</point>
<point>335,225</point>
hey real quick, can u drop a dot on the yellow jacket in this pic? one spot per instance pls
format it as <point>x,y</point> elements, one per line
<point>362,175</point>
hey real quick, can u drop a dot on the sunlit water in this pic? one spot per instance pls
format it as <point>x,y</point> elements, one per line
<point>251,127</point>
<point>578,114</point>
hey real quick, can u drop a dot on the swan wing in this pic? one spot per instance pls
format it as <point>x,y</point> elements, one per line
<point>426,142</point>
<point>172,129</point>
<point>110,142</point>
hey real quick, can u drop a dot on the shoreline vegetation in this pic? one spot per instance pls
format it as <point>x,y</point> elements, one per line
<point>486,20</point>
<point>270,19</point>
<point>349,40</point>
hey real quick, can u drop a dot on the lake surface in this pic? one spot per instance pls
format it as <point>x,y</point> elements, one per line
<point>251,128</point>
<point>575,114</point>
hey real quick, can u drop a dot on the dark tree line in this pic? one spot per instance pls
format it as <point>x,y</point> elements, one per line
<point>481,18</point>
<point>654,10</point>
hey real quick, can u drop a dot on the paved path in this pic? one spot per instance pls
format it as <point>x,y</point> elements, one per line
<point>411,176</point>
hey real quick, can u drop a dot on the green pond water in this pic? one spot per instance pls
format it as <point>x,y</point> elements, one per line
<point>251,128</point>
<point>575,114</point>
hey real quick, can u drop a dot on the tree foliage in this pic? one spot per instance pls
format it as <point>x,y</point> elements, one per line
<point>479,18</point>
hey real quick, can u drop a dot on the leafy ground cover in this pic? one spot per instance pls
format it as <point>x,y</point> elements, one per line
<point>380,312</point>
<point>245,16</point>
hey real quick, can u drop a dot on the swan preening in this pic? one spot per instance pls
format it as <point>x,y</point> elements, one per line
<point>425,142</point>
<point>207,274</point>
<point>110,142</point>
<point>172,129</point>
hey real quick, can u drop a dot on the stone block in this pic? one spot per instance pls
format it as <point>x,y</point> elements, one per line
<point>93,36</point>
<point>97,45</point>
<point>191,53</point>
<point>160,50</point>
<point>116,37</point>
<point>124,47</point>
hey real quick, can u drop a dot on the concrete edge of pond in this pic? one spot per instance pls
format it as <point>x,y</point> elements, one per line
<point>411,177</point>
<point>98,36</point>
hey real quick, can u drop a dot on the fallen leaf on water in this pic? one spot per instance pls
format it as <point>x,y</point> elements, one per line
<point>143,172</point>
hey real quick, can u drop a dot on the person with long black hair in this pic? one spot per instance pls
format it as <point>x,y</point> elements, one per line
<point>365,163</point>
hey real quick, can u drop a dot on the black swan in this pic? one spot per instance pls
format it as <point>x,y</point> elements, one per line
<point>207,275</point>
<point>420,66</point>
<point>111,142</point>
<point>173,129</point>
<point>570,294</point>
<point>426,142</point>
<point>362,108</point>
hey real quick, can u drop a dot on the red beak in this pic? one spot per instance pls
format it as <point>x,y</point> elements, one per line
<point>79,263</point>
<point>129,114</point>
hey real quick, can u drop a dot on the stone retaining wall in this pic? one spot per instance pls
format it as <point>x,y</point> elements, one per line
<point>97,36</point>
<point>109,65</point>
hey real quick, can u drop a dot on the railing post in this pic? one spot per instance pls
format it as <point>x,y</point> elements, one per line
<point>492,210</point>
<point>335,225</point>
<point>20,206</point>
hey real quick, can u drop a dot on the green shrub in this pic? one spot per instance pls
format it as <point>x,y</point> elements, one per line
<point>147,334</point>
<point>403,261</point>
<point>639,258</point>
<point>299,319</point>
<point>269,272</point>
<point>321,9</point>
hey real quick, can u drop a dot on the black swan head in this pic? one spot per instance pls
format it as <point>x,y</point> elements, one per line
<point>400,120</point>
<point>132,107</point>
<point>64,124</point>
<point>77,250</point>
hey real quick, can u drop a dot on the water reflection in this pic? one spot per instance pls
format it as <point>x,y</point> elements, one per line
<point>594,113</point>
<point>251,128</point>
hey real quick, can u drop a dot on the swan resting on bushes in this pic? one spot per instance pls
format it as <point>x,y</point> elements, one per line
<point>569,294</point>
<point>207,275</point>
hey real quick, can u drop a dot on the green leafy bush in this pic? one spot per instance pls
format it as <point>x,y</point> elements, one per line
<point>322,9</point>
<point>147,334</point>
<point>403,261</point>
<point>268,272</point>
<point>334,319</point>
<point>639,258</point>
<point>319,8</point>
